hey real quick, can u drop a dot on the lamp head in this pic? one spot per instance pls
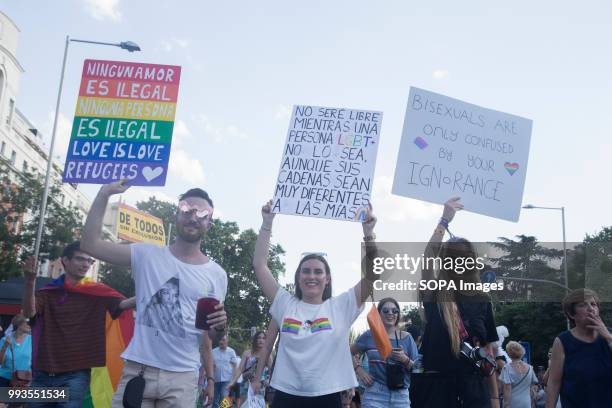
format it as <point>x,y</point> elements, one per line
<point>130,46</point>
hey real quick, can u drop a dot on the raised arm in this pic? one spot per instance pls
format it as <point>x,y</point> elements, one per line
<point>433,246</point>
<point>553,385</point>
<point>266,280</point>
<point>92,241</point>
<point>364,287</point>
<point>28,303</point>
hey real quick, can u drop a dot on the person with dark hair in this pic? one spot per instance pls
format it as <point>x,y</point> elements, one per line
<point>314,364</point>
<point>456,321</point>
<point>248,365</point>
<point>581,361</point>
<point>169,282</point>
<point>378,392</point>
<point>414,331</point>
<point>69,330</point>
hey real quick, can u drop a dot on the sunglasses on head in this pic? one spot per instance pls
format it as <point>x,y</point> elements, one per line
<point>321,254</point>
<point>185,209</point>
<point>386,310</point>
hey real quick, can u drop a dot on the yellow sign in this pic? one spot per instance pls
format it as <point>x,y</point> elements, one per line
<point>137,226</point>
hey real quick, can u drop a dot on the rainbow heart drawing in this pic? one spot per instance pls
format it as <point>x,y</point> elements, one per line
<point>511,168</point>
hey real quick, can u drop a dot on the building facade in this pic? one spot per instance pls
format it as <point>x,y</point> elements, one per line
<point>21,143</point>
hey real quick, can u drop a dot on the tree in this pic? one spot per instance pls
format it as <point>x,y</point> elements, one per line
<point>118,278</point>
<point>526,258</point>
<point>20,211</point>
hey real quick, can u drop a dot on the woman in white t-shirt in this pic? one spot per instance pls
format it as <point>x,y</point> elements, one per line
<point>313,364</point>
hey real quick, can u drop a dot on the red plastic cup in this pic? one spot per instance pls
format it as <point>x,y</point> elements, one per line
<point>205,307</point>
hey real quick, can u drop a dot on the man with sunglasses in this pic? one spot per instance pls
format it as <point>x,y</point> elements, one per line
<point>169,281</point>
<point>69,331</point>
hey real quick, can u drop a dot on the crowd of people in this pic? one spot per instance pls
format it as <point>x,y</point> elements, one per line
<point>305,357</point>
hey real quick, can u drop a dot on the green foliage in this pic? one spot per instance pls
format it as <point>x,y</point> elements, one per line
<point>536,323</point>
<point>412,314</point>
<point>526,258</point>
<point>118,278</point>
<point>20,198</point>
<point>245,303</point>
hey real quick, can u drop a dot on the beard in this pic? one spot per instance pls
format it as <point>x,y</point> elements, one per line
<point>190,236</point>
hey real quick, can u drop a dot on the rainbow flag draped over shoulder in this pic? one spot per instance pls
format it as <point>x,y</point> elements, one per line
<point>119,332</point>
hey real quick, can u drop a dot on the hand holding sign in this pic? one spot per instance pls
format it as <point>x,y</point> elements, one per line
<point>451,207</point>
<point>116,187</point>
<point>369,222</point>
<point>267,214</point>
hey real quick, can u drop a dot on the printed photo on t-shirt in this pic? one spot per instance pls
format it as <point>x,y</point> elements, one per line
<point>163,311</point>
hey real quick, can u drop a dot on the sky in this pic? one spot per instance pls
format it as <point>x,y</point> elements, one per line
<point>245,64</point>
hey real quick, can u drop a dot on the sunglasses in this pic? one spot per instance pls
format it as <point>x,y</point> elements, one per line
<point>186,210</point>
<point>321,254</point>
<point>388,311</point>
<point>90,261</point>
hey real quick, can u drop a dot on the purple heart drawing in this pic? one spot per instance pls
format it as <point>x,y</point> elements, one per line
<point>420,142</point>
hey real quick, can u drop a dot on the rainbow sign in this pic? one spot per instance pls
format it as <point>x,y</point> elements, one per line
<point>123,123</point>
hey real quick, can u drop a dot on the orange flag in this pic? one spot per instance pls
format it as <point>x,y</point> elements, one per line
<point>379,333</point>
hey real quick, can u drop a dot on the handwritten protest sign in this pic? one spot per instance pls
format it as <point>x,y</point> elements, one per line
<point>137,226</point>
<point>123,123</point>
<point>328,163</point>
<point>453,148</point>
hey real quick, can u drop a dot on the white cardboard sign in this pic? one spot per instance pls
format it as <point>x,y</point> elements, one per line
<point>327,169</point>
<point>453,148</point>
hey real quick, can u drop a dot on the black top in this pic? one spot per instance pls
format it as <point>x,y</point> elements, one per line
<point>587,373</point>
<point>477,316</point>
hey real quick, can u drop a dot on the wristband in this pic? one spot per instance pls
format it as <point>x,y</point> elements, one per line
<point>212,379</point>
<point>369,238</point>
<point>220,329</point>
<point>444,223</point>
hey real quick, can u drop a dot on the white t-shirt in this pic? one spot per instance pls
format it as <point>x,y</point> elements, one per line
<point>223,363</point>
<point>167,292</point>
<point>314,357</point>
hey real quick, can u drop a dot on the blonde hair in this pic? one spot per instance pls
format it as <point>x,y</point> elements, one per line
<point>446,298</point>
<point>515,350</point>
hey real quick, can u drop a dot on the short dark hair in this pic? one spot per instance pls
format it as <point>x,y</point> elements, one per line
<point>414,331</point>
<point>197,192</point>
<point>327,292</point>
<point>70,249</point>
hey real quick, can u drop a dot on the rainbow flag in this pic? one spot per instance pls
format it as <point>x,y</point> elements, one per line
<point>291,326</point>
<point>320,325</point>
<point>119,332</point>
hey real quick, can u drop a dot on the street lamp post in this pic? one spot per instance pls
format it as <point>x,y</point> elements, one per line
<point>562,209</point>
<point>126,45</point>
